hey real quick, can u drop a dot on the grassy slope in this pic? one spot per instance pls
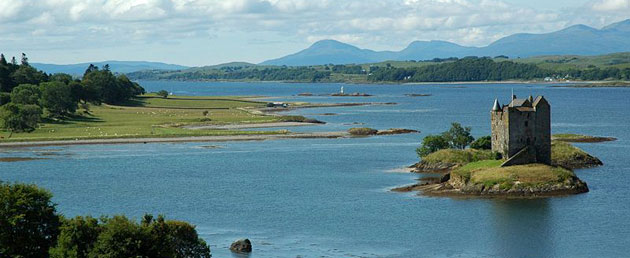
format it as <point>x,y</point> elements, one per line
<point>460,157</point>
<point>142,119</point>
<point>489,173</point>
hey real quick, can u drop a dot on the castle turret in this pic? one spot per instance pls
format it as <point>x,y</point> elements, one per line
<point>496,106</point>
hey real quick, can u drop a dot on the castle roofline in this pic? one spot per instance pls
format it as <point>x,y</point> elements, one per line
<point>520,103</point>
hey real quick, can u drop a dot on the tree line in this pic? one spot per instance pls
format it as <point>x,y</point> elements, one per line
<point>28,95</point>
<point>465,69</point>
<point>31,227</point>
<point>302,74</point>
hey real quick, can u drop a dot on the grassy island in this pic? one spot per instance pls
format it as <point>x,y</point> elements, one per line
<point>562,154</point>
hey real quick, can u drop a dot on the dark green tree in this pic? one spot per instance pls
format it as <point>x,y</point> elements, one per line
<point>76,238</point>
<point>26,74</point>
<point>120,237</point>
<point>162,93</point>
<point>19,118</point>
<point>186,242</point>
<point>61,77</point>
<point>482,143</point>
<point>57,98</point>
<point>458,137</point>
<point>24,60</point>
<point>5,98</point>
<point>432,143</point>
<point>26,94</point>
<point>29,224</point>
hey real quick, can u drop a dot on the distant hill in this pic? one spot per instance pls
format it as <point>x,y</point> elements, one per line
<point>574,40</point>
<point>330,51</point>
<point>115,66</point>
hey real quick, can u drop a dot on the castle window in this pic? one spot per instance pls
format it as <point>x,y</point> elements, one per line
<point>525,123</point>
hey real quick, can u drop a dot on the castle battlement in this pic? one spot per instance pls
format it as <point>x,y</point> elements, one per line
<point>521,130</point>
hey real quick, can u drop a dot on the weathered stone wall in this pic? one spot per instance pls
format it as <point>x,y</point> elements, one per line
<point>542,134</point>
<point>499,126</point>
<point>521,129</point>
<point>526,155</point>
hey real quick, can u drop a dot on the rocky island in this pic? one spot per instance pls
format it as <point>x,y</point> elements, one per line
<point>519,159</point>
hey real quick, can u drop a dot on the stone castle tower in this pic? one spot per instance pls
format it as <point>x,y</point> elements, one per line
<point>521,131</point>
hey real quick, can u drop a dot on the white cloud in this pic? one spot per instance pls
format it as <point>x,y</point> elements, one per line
<point>41,24</point>
<point>610,5</point>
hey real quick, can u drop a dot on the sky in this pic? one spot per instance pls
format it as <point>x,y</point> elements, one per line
<point>206,32</point>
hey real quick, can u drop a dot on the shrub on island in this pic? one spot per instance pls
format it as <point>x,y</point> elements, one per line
<point>362,131</point>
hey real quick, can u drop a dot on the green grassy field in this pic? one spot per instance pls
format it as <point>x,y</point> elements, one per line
<point>151,117</point>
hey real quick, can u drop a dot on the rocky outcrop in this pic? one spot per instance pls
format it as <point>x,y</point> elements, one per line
<point>459,186</point>
<point>433,167</point>
<point>578,161</point>
<point>241,246</point>
<point>396,131</point>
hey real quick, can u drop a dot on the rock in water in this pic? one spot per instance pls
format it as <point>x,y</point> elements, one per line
<point>241,246</point>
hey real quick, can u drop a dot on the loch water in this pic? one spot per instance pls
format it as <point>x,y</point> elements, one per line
<point>331,198</point>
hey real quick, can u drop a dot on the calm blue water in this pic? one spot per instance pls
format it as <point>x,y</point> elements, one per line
<point>330,197</point>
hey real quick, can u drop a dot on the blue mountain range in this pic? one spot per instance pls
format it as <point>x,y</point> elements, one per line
<point>574,40</point>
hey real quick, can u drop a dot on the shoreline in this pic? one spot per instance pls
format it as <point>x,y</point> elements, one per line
<point>247,126</point>
<point>401,83</point>
<point>223,138</point>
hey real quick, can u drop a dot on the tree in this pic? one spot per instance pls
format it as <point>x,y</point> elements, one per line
<point>186,242</point>
<point>482,143</point>
<point>24,60</point>
<point>120,237</point>
<point>458,137</point>
<point>77,237</point>
<point>61,77</point>
<point>91,68</point>
<point>5,98</point>
<point>19,118</point>
<point>432,143</point>
<point>26,94</point>
<point>57,98</point>
<point>3,61</point>
<point>28,74</point>
<point>163,93</point>
<point>28,221</point>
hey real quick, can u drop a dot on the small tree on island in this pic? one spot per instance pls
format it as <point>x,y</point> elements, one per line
<point>457,137</point>
<point>163,94</point>
<point>432,143</point>
<point>482,143</point>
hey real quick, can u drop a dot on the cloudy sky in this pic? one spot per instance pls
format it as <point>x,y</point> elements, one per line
<point>203,32</point>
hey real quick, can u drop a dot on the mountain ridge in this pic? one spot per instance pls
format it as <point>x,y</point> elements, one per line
<point>573,40</point>
<point>115,66</point>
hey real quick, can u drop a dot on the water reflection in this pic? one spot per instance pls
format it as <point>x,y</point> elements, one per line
<point>523,228</point>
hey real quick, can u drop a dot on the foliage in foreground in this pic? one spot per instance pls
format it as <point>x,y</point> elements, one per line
<point>30,227</point>
<point>29,224</point>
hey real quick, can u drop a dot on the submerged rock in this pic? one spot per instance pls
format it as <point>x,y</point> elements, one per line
<point>241,246</point>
